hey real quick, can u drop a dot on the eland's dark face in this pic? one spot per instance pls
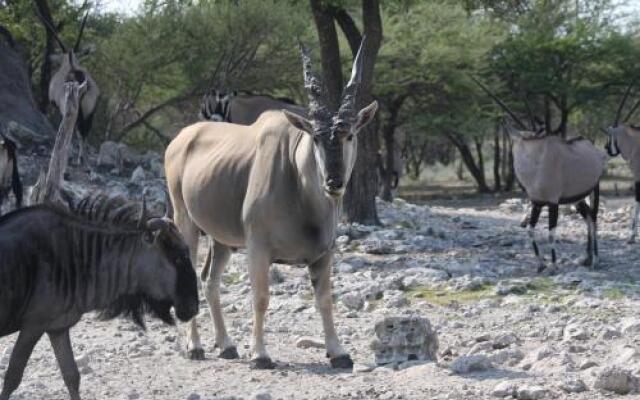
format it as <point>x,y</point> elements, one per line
<point>177,278</point>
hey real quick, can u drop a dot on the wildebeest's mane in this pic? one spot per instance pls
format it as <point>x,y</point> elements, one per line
<point>135,306</point>
<point>114,210</point>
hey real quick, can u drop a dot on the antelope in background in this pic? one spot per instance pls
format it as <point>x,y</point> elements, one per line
<point>9,174</point>
<point>556,171</point>
<point>242,108</point>
<point>624,139</point>
<point>275,188</point>
<point>70,69</point>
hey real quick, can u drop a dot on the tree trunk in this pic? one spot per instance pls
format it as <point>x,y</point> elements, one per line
<point>329,51</point>
<point>388,132</point>
<point>497,185</point>
<point>360,199</point>
<point>45,69</point>
<point>467,158</point>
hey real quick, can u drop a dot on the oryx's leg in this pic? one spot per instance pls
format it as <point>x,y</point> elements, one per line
<point>636,215</point>
<point>259,263</point>
<point>64,354</point>
<point>553,223</point>
<point>594,201</point>
<point>219,256</point>
<point>19,357</point>
<point>191,234</point>
<point>585,212</point>
<point>320,273</point>
<point>524,221</point>
<point>536,209</point>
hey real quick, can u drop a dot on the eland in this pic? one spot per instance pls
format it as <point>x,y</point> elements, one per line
<point>104,255</point>
<point>275,188</point>
<point>555,171</point>
<point>624,139</point>
<point>70,69</point>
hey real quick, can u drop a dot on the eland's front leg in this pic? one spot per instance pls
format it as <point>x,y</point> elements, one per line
<point>64,354</point>
<point>320,273</point>
<point>259,262</point>
<point>18,361</point>
<point>218,257</point>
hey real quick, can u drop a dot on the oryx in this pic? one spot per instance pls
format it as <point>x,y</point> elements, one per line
<point>70,69</point>
<point>556,171</point>
<point>624,139</point>
<point>275,188</point>
<point>242,108</point>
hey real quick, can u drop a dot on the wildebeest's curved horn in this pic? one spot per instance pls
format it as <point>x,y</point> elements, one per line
<point>499,102</point>
<point>168,207</point>
<point>347,107</point>
<point>143,212</point>
<point>313,85</point>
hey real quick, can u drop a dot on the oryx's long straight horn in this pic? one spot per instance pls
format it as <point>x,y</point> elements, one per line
<point>347,109</point>
<point>51,29</point>
<point>622,102</point>
<point>314,86</point>
<point>632,111</point>
<point>499,102</point>
<point>76,45</point>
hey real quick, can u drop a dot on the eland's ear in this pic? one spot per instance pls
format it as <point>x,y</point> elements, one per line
<point>299,122</point>
<point>366,115</point>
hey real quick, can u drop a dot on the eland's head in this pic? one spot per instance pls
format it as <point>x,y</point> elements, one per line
<point>334,133</point>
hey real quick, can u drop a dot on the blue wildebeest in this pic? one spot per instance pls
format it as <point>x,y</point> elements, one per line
<point>624,139</point>
<point>275,188</point>
<point>104,255</point>
<point>9,175</point>
<point>242,108</point>
<point>555,171</point>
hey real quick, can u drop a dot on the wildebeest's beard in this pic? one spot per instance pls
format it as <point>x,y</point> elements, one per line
<point>135,306</point>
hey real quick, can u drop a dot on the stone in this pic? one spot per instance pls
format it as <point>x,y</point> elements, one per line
<point>504,340</point>
<point>194,396</point>
<point>616,379</point>
<point>630,325</point>
<point>345,268</point>
<point>507,356</point>
<point>609,332</point>
<point>138,175</point>
<point>396,301</point>
<point>472,363</point>
<point>531,392</point>
<point>573,385</point>
<point>309,342</point>
<point>261,394</point>
<point>110,156</point>
<point>400,339</point>
<point>276,276</point>
<point>575,332</point>
<point>82,361</point>
<point>361,368</point>
<point>353,300</point>
<point>504,389</point>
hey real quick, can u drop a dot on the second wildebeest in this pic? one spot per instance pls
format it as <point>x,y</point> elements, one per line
<point>105,255</point>
<point>275,188</point>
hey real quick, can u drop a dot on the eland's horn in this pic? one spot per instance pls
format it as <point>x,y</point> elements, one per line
<point>347,107</point>
<point>499,102</point>
<point>622,102</point>
<point>311,82</point>
<point>168,207</point>
<point>142,220</point>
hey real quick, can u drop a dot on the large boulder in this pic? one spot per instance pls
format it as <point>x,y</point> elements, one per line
<point>19,115</point>
<point>401,339</point>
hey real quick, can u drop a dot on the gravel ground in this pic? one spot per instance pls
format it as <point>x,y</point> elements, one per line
<point>503,330</point>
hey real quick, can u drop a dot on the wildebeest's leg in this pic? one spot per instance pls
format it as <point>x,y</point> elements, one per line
<point>259,263</point>
<point>18,361</point>
<point>64,354</point>
<point>533,220</point>
<point>585,212</point>
<point>320,273</point>
<point>211,284</point>
<point>553,223</point>
<point>191,234</point>
<point>636,215</point>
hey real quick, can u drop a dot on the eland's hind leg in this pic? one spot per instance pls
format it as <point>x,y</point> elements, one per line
<point>320,273</point>
<point>64,354</point>
<point>18,361</point>
<point>536,209</point>
<point>211,275</point>
<point>259,263</point>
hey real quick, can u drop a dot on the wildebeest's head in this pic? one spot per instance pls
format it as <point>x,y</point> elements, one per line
<point>171,279</point>
<point>334,132</point>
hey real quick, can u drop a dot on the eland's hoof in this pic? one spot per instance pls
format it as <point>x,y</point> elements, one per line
<point>196,354</point>
<point>262,363</point>
<point>230,353</point>
<point>342,362</point>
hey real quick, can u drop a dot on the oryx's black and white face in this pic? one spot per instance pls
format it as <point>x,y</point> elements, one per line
<point>612,140</point>
<point>334,133</point>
